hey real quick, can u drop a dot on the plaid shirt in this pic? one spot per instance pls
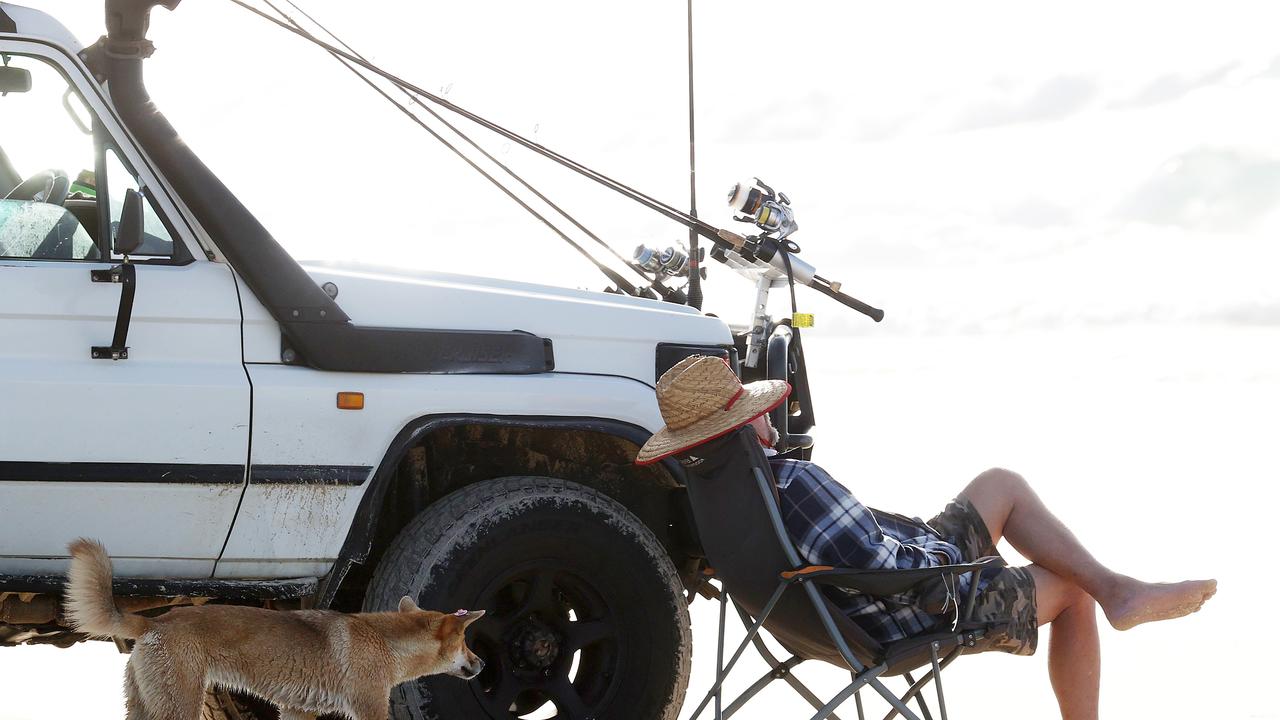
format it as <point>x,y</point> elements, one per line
<point>830,527</point>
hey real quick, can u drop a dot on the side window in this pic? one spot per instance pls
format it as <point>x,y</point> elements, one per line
<point>156,241</point>
<point>42,148</point>
<point>61,188</point>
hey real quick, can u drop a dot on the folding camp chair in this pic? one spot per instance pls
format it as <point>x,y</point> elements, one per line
<point>735,507</point>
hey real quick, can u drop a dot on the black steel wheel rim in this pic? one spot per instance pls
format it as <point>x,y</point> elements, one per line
<point>550,643</point>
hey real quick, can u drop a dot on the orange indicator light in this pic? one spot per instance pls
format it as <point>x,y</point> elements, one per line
<point>350,401</point>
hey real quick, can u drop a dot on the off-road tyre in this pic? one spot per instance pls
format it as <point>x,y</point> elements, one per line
<point>560,565</point>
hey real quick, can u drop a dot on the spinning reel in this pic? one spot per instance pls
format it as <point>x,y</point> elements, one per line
<point>762,207</point>
<point>672,262</point>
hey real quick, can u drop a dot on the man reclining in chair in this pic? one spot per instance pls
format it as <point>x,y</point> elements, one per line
<point>701,399</point>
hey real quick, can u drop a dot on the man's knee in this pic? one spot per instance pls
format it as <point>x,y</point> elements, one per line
<point>1002,481</point>
<point>1076,595</point>
<point>1079,603</point>
<point>1057,597</point>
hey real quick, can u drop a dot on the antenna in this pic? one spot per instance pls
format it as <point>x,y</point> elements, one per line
<point>695,261</point>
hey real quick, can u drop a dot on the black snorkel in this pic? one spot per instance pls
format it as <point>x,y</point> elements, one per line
<point>316,332</point>
<point>290,294</point>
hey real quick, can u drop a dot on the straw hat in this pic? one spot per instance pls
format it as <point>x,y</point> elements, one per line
<point>700,399</point>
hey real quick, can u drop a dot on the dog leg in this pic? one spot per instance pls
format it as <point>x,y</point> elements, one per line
<point>134,709</point>
<point>371,708</point>
<point>170,692</point>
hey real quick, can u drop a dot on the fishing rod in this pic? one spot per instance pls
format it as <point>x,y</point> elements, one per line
<point>705,229</point>
<point>621,283</point>
<point>667,293</point>
<point>759,252</point>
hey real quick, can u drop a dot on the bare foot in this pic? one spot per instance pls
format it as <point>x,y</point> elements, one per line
<point>1136,602</point>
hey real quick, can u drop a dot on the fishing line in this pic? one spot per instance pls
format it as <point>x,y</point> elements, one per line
<point>662,289</point>
<point>720,237</point>
<point>613,276</point>
<point>724,240</point>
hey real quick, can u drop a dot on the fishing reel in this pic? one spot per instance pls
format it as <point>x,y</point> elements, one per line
<point>770,259</point>
<point>762,207</point>
<point>769,255</point>
<point>672,262</point>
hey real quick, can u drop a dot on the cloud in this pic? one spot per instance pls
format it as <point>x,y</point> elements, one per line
<point>1174,86</point>
<point>1036,212</point>
<point>803,116</point>
<point>1274,70</point>
<point>1249,314</point>
<point>1055,99</point>
<point>1208,188</point>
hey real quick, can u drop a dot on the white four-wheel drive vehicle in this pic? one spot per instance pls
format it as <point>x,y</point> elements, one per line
<point>235,427</point>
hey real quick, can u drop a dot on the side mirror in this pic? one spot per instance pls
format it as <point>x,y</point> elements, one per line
<point>14,80</point>
<point>129,229</point>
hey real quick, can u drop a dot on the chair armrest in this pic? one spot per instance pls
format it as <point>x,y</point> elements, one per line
<point>885,582</point>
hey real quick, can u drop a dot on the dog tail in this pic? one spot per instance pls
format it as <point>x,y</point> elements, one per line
<point>89,604</point>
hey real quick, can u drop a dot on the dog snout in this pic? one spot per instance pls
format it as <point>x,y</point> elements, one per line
<point>474,668</point>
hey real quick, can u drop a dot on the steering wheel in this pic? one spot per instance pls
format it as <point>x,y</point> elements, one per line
<point>50,186</point>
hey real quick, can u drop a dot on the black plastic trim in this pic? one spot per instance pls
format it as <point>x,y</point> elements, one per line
<point>668,354</point>
<point>23,471</point>
<point>355,348</point>
<point>359,542</point>
<point>169,587</point>
<point>309,474</point>
<point>7,24</point>
<point>113,472</point>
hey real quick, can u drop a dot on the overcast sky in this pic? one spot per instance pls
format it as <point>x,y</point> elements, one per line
<point>971,168</point>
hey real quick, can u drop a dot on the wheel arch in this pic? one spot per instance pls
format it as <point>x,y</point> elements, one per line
<point>593,451</point>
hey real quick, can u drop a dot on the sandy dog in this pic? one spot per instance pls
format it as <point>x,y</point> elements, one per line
<point>307,662</point>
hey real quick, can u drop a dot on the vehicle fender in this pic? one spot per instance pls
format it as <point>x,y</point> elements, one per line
<point>313,463</point>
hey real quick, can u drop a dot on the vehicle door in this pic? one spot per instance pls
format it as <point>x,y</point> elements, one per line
<point>147,452</point>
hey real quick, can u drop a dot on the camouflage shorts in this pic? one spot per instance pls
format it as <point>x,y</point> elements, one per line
<point>1009,597</point>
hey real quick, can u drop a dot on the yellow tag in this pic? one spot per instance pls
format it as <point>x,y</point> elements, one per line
<point>800,320</point>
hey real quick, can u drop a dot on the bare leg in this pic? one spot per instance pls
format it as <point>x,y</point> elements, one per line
<point>1075,658</point>
<point>1011,509</point>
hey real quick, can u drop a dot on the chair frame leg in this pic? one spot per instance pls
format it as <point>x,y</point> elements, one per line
<point>776,673</point>
<point>850,690</point>
<point>924,706</point>
<point>919,685</point>
<point>723,673</point>
<point>862,676</point>
<point>937,679</point>
<point>720,673</point>
<point>779,669</point>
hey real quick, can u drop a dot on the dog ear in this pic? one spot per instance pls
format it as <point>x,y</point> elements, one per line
<point>407,604</point>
